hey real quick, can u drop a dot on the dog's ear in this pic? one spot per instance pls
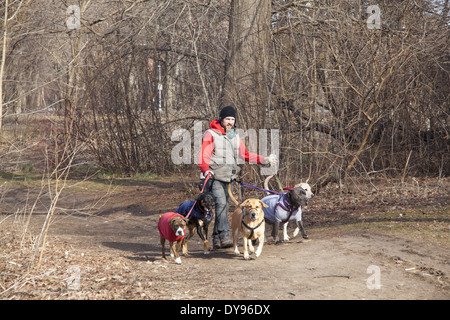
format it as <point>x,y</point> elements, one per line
<point>263,204</point>
<point>199,196</point>
<point>296,191</point>
<point>290,196</point>
<point>245,203</point>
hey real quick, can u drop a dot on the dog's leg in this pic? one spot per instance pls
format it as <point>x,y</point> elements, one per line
<point>260,246</point>
<point>172,251</point>
<point>163,247</point>
<point>246,255</point>
<point>177,252</point>
<point>276,232</point>
<point>206,247</point>
<point>302,229</point>
<point>184,247</point>
<point>186,240</point>
<point>285,235</point>
<point>235,239</point>
<point>251,249</point>
<point>205,240</point>
<point>202,231</point>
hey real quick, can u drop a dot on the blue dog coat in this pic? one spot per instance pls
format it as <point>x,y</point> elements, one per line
<point>185,207</point>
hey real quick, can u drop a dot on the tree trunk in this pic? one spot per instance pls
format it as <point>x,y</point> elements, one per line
<point>248,46</point>
<point>2,65</point>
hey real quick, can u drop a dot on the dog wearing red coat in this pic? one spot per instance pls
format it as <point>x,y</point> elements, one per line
<point>172,227</point>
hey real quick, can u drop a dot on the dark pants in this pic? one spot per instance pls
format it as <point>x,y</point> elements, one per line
<point>221,226</point>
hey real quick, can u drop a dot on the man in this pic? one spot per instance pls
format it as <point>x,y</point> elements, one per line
<point>221,147</point>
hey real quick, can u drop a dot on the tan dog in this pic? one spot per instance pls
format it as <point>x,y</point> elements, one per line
<point>248,219</point>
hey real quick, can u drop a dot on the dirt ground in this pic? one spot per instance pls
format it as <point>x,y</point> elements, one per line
<point>383,240</point>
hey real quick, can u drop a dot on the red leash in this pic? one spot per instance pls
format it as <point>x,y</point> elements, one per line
<point>204,185</point>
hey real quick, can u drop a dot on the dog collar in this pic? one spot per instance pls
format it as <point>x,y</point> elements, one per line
<point>200,209</point>
<point>206,214</point>
<point>283,203</point>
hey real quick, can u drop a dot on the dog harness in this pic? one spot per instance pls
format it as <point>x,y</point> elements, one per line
<point>250,228</point>
<point>279,209</point>
<point>164,227</point>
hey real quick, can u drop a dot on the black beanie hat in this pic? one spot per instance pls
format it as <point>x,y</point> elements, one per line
<point>227,111</point>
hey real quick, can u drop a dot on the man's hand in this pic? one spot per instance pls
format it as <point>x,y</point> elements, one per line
<point>271,160</point>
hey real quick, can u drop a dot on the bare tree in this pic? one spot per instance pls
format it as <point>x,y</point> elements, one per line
<point>248,58</point>
<point>348,99</point>
<point>2,64</point>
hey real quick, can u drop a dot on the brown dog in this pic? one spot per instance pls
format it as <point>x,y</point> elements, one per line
<point>172,227</point>
<point>248,219</point>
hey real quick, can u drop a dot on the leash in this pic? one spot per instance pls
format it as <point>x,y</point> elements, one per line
<point>204,185</point>
<point>246,185</point>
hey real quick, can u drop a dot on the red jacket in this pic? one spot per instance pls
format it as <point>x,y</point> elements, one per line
<point>164,227</point>
<point>208,148</point>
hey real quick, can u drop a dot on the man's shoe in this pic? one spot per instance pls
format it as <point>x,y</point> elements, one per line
<point>216,244</point>
<point>226,242</point>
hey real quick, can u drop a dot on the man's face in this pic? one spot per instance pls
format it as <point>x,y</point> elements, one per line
<point>228,123</point>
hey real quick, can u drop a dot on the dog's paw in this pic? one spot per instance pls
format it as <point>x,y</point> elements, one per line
<point>246,256</point>
<point>236,251</point>
<point>286,238</point>
<point>206,252</point>
<point>178,260</point>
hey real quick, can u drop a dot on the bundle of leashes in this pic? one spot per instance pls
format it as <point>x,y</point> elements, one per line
<point>246,185</point>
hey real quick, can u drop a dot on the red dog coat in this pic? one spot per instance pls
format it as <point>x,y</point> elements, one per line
<point>164,227</point>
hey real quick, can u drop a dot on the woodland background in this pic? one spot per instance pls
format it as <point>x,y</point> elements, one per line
<point>348,100</point>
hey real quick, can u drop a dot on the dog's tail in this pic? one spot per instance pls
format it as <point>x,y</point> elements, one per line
<point>266,183</point>
<point>231,195</point>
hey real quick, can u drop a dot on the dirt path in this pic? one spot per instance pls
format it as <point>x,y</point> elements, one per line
<point>326,267</point>
<point>118,256</point>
